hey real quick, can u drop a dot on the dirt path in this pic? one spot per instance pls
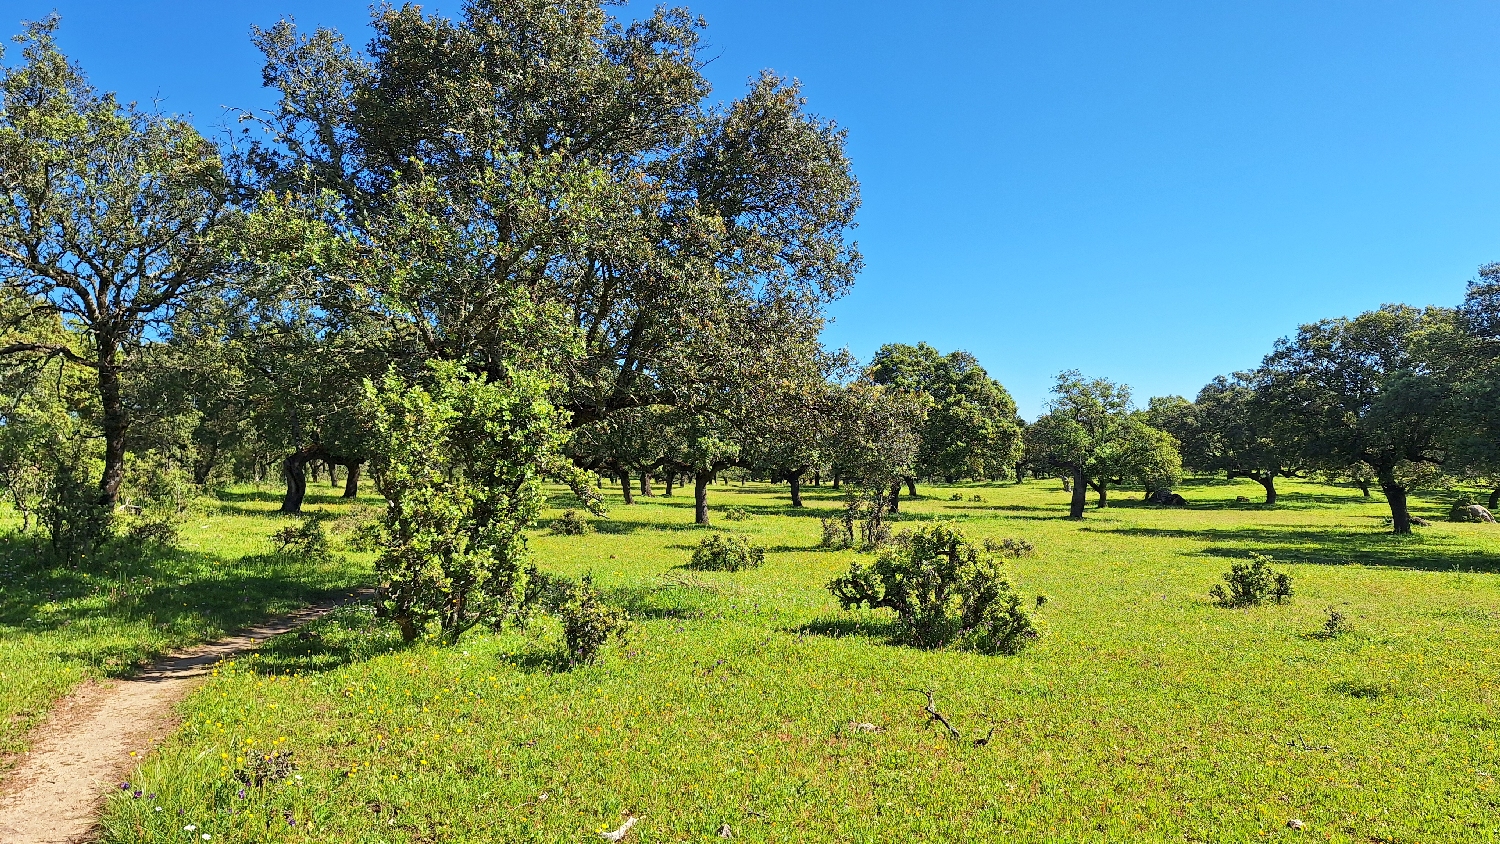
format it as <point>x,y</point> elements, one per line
<point>97,735</point>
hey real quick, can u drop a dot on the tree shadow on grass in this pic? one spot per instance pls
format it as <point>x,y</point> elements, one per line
<point>348,635</point>
<point>844,626</point>
<point>183,596</point>
<point>1330,547</point>
<point>672,601</point>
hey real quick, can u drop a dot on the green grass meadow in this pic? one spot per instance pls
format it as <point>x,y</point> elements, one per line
<point>1144,713</point>
<point>59,627</point>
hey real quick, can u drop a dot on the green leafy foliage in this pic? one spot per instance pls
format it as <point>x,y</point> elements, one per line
<point>736,514</point>
<point>305,538</point>
<point>1252,583</point>
<point>76,522</point>
<point>588,622</point>
<point>942,589</point>
<point>571,524</point>
<point>727,552</point>
<point>460,461</point>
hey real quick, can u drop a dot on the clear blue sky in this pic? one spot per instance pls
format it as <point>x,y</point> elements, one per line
<point>1151,192</point>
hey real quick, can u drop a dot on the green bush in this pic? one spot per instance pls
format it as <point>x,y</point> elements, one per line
<point>78,525</point>
<point>957,496</point>
<point>1252,583</point>
<point>589,623</point>
<point>736,514</point>
<point>727,552</point>
<point>943,589</point>
<point>305,538</point>
<point>571,524</point>
<point>838,534</point>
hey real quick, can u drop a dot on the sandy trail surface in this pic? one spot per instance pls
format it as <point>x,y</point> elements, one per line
<point>96,736</point>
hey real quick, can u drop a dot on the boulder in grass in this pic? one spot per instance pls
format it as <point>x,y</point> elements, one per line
<point>1463,512</point>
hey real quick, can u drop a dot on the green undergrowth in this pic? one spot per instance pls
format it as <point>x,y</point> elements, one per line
<point>748,699</point>
<point>59,627</point>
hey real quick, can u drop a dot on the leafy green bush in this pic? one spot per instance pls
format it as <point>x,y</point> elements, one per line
<point>736,514</point>
<point>1252,583</point>
<point>942,589</point>
<point>76,522</point>
<point>571,524</point>
<point>305,538</point>
<point>838,533</point>
<point>957,496</point>
<point>727,552</point>
<point>589,623</point>
<point>461,460</point>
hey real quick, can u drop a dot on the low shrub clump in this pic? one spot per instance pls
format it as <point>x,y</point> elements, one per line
<point>957,496</point>
<point>1335,625</point>
<point>305,538</point>
<point>736,514</point>
<point>943,590</point>
<point>837,534</point>
<point>727,552</point>
<point>588,622</point>
<point>1010,547</point>
<point>571,524</point>
<point>1252,583</point>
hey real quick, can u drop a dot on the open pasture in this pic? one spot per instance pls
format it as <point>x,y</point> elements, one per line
<point>749,701</point>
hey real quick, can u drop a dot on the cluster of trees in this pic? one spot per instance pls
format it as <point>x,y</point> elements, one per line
<point>1400,397</point>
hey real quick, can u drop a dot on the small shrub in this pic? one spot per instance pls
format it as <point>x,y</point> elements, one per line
<point>1010,547</point>
<point>75,521</point>
<point>306,538</point>
<point>942,589</point>
<point>838,534</point>
<point>957,496</point>
<point>727,552</point>
<point>1252,583</point>
<point>1335,625</point>
<point>153,530</point>
<point>571,524</point>
<point>589,623</point>
<point>977,499</point>
<point>736,514</point>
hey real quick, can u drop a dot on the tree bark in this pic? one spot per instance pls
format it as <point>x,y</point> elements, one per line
<point>670,478</point>
<point>835,480</point>
<point>911,487</point>
<point>625,486</point>
<point>795,479</point>
<point>1269,482</point>
<point>896,497</point>
<point>1495,499</point>
<point>1364,487</point>
<point>294,469</point>
<point>115,422</point>
<point>1020,473</point>
<point>701,480</point>
<point>1103,488</point>
<point>333,475</point>
<point>351,481</point>
<point>1395,495</point>
<point>646,485</point>
<point>1080,486</point>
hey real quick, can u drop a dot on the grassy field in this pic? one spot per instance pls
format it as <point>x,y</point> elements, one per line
<point>1145,713</point>
<point>60,627</point>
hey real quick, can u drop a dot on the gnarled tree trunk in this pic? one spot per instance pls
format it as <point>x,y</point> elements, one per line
<point>911,487</point>
<point>646,485</point>
<point>701,480</point>
<point>795,479</point>
<point>1269,482</point>
<point>1395,495</point>
<point>895,499</point>
<point>294,469</point>
<point>669,479</point>
<point>625,486</point>
<point>1495,499</point>
<point>1080,486</point>
<point>351,480</point>
<point>114,421</point>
